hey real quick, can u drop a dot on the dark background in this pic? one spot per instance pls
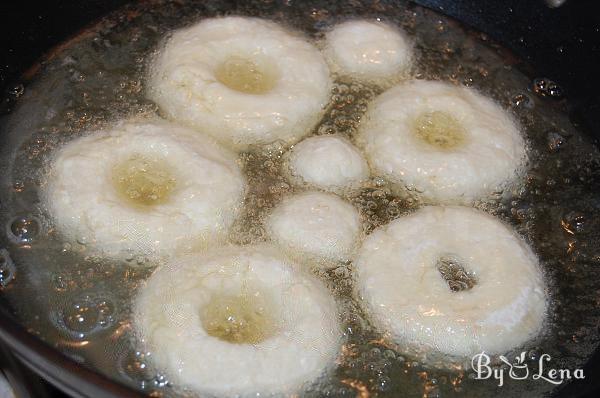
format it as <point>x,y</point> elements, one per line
<point>562,44</point>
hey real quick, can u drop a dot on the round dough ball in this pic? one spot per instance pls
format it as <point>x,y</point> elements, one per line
<point>329,162</point>
<point>454,280</point>
<point>316,223</point>
<point>245,81</point>
<point>238,321</point>
<point>448,143</point>
<point>368,50</point>
<point>143,188</point>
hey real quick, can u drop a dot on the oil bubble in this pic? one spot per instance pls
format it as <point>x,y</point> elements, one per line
<point>160,381</point>
<point>383,383</point>
<point>555,141</point>
<point>134,366</point>
<point>23,229</point>
<point>534,354</point>
<point>522,101</point>
<point>18,186</point>
<point>7,269</point>
<point>62,282</point>
<point>16,91</point>
<point>574,222</point>
<point>547,88</point>
<point>389,354</point>
<point>141,260</point>
<point>85,316</point>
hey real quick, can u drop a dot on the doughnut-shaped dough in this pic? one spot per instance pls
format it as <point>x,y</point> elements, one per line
<point>449,143</point>
<point>238,320</point>
<point>329,162</point>
<point>368,50</point>
<point>316,223</point>
<point>242,80</point>
<point>146,187</point>
<point>400,282</point>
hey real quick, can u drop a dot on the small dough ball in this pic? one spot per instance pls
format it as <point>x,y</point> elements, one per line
<point>368,50</point>
<point>448,143</point>
<point>245,81</point>
<point>452,280</point>
<point>329,162</point>
<point>238,321</point>
<point>316,223</point>
<point>143,188</point>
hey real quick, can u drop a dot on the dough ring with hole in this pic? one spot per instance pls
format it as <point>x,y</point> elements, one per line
<point>238,321</point>
<point>454,280</point>
<point>446,142</point>
<point>243,80</point>
<point>143,188</point>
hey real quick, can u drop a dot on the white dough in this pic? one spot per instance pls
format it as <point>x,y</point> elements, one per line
<point>368,50</point>
<point>402,288</point>
<point>306,341</point>
<point>492,154</point>
<point>329,162</point>
<point>83,200</point>
<point>183,81</point>
<point>316,223</point>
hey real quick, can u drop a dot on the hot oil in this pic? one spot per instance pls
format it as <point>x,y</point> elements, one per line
<point>81,303</point>
<point>439,130</point>
<point>245,76</point>
<point>144,181</point>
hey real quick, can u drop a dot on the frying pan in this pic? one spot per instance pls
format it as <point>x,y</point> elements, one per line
<point>559,39</point>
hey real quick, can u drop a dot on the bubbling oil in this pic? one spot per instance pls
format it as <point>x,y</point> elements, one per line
<point>246,76</point>
<point>81,303</point>
<point>144,181</point>
<point>439,129</point>
<point>455,274</point>
<point>238,319</point>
